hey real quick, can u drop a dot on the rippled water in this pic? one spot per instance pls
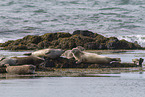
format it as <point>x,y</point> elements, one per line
<point>120,18</point>
<point>74,87</point>
<point>120,84</point>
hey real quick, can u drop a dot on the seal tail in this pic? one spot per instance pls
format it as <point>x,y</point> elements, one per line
<point>28,54</point>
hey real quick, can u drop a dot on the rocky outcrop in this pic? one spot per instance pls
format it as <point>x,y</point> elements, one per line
<point>71,63</point>
<point>84,38</point>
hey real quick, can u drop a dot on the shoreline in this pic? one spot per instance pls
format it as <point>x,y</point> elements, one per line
<point>73,72</point>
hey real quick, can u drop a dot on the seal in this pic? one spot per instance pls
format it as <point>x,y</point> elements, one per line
<point>29,60</point>
<point>10,61</point>
<point>86,57</point>
<point>14,61</point>
<point>23,69</point>
<point>68,53</point>
<point>50,53</point>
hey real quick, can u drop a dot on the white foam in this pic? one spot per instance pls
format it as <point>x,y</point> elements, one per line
<point>140,39</point>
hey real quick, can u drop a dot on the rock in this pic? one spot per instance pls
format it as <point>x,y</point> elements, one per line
<point>60,63</point>
<point>64,43</point>
<point>32,39</point>
<point>91,45</point>
<point>128,45</point>
<point>84,38</point>
<point>55,36</point>
<point>112,43</point>
<point>3,69</point>
<point>84,33</point>
<point>43,44</point>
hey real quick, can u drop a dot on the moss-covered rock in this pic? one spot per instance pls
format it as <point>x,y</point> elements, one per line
<point>84,38</point>
<point>55,36</point>
<point>128,45</point>
<point>43,44</point>
<point>32,39</point>
<point>112,43</point>
<point>84,33</point>
<point>71,42</point>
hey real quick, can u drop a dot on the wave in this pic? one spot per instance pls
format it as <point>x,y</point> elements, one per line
<point>140,39</point>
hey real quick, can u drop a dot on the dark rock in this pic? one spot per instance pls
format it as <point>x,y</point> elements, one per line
<point>112,43</point>
<point>32,39</point>
<point>128,45</point>
<point>6,43</point>
<point>55,36</point>
<point>43,44</point>
<point>102,46</point>
<point>84,38</point>
<point>60,63</point>
<point>91,45</point>
<point>31,46</point>
<point>71,42</point>
<point>16,47</point>
<point>84,33</point>
<point>64,43</point>
<point>3,69</point>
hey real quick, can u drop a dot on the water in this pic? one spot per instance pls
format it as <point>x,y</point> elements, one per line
<point>74,87</point>
<point>121,18</point>
<point>120,84</point>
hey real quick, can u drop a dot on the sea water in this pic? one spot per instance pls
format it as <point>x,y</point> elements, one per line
<point>122,86</point>
<point>121,18</point>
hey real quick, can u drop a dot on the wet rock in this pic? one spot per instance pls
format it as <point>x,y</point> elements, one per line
<point>61,63</point>
<point>64,43</point>
<point>71,42</point>
<point>84,38</point>
<point>84,33</point>
<point>55,36</point>
<point>31,46</point>
<point>3,69</point>
<point>112,43</point>
<point>70,63</point>
<point>128,45</point>
<point>91,45</point>
<point>16,47</point>
<point>43,44</point>
<point>32,39</point>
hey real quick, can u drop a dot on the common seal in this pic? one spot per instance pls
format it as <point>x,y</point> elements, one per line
<point>86,57</point>
<point>68,53</point>
<point>13,61</point>
<point>10,61</point>
<point>50,53</point>
<point>23,69</point>
<point>28,60</point>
